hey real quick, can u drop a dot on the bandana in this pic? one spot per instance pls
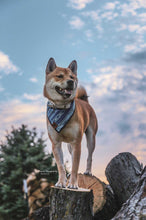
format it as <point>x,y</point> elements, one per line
<point>58,118</point>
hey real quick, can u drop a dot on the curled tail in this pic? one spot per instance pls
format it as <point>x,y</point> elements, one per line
<point>82,94</point>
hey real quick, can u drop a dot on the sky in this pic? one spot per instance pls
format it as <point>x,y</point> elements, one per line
<point>107,39</point>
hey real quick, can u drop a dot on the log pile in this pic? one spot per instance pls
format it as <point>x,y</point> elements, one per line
<point>124,198</point>
<point>38,191</point>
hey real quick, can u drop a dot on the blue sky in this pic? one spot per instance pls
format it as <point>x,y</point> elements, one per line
<point>108,40</point>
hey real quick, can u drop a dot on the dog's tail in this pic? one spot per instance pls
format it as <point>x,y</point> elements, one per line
<point>82,94</point>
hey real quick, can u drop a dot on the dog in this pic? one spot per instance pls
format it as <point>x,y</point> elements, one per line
<point>65,99</point>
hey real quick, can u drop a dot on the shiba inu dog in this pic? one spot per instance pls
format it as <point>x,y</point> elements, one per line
<point>69,115</point>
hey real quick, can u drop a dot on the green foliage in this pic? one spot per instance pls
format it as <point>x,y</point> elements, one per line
<point>22,152</point>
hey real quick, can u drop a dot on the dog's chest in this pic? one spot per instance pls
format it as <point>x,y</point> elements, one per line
<point>69,133</point>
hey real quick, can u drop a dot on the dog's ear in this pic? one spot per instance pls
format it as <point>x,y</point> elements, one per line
<point>73,66</point>
<point>51,66</point>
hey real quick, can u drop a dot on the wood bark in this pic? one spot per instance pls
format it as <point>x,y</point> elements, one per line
<point>135,206</point>
<point>123,173</point>
<point>40,214</point>
<point>71,204</point>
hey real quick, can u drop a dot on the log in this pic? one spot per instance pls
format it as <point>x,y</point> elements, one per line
<point>135,206</point>
<point>110,208</point>
<point>71,204</point>
<point>98,188</point>
<point>123,174</point>
<point>104,203</point>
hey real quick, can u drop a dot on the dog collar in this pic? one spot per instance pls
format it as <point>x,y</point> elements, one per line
<point>53,105</point>
<point>59,117</point>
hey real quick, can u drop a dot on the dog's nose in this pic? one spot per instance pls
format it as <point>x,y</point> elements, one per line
<point>70,84</point>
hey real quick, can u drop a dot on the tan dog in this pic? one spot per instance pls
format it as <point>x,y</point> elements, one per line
<point>61,90</point>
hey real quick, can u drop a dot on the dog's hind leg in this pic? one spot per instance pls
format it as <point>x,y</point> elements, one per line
<point>90,136</point>
<point>70,149</point>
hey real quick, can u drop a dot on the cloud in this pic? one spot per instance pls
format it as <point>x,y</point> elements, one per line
<point>33,80</point>
<point>76,23</point>
<point>89,35</point>
<point>6,64</point>
<point>120,17</point>
<point>138,4</point>
<point>137,57</point>
<point>124,128</point>
<point>1,88</point>
<point>132,7</point>
<point>120,108</point>
<point>140,29</point>
<point>18,112</point>
<point>109,15</point>
<point>142,127</point>
<point>32,97</point>
<point>94,14</point>
<point>79,4</point>
<point>110,5</point>
<point>142,17</point>
<point>109,79</point>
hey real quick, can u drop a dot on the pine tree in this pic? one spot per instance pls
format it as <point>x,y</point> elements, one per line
<point>21,153</point>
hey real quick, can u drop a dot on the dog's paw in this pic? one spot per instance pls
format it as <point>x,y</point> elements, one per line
<point>72,186</point>
<point>88,173</point>
<point>60,184</point>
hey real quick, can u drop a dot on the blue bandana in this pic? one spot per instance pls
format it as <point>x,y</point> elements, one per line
<point>58,118</point>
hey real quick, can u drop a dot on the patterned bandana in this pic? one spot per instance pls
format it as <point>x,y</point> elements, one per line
<point>58,118</point>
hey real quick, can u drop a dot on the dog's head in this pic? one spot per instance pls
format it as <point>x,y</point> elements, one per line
<point>61,83</point>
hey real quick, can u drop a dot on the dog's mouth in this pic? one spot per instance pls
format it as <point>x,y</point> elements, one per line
<point>66,93</point>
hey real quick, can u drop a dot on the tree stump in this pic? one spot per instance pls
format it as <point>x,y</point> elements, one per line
<point>135,206</point>
<point>70,204</point>
<point>123,173</point>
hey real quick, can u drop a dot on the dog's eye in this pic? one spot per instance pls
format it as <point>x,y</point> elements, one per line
<point>60,76</point>
<point>71,77</point>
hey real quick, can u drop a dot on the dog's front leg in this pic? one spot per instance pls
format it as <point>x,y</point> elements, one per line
<point>76,152</point>
<point>58,154</point>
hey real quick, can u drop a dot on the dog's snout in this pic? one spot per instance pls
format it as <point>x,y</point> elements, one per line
<point>70,84</point>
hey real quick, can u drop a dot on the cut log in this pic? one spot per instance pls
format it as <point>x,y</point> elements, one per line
<point>104,203</point>
<point>98,187</point>
<point>123,173</point>
<point>71,204</point>
<point>110,208</point>
<point>135,206</point>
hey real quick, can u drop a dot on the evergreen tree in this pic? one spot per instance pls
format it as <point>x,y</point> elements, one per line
<point>21,153</point>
